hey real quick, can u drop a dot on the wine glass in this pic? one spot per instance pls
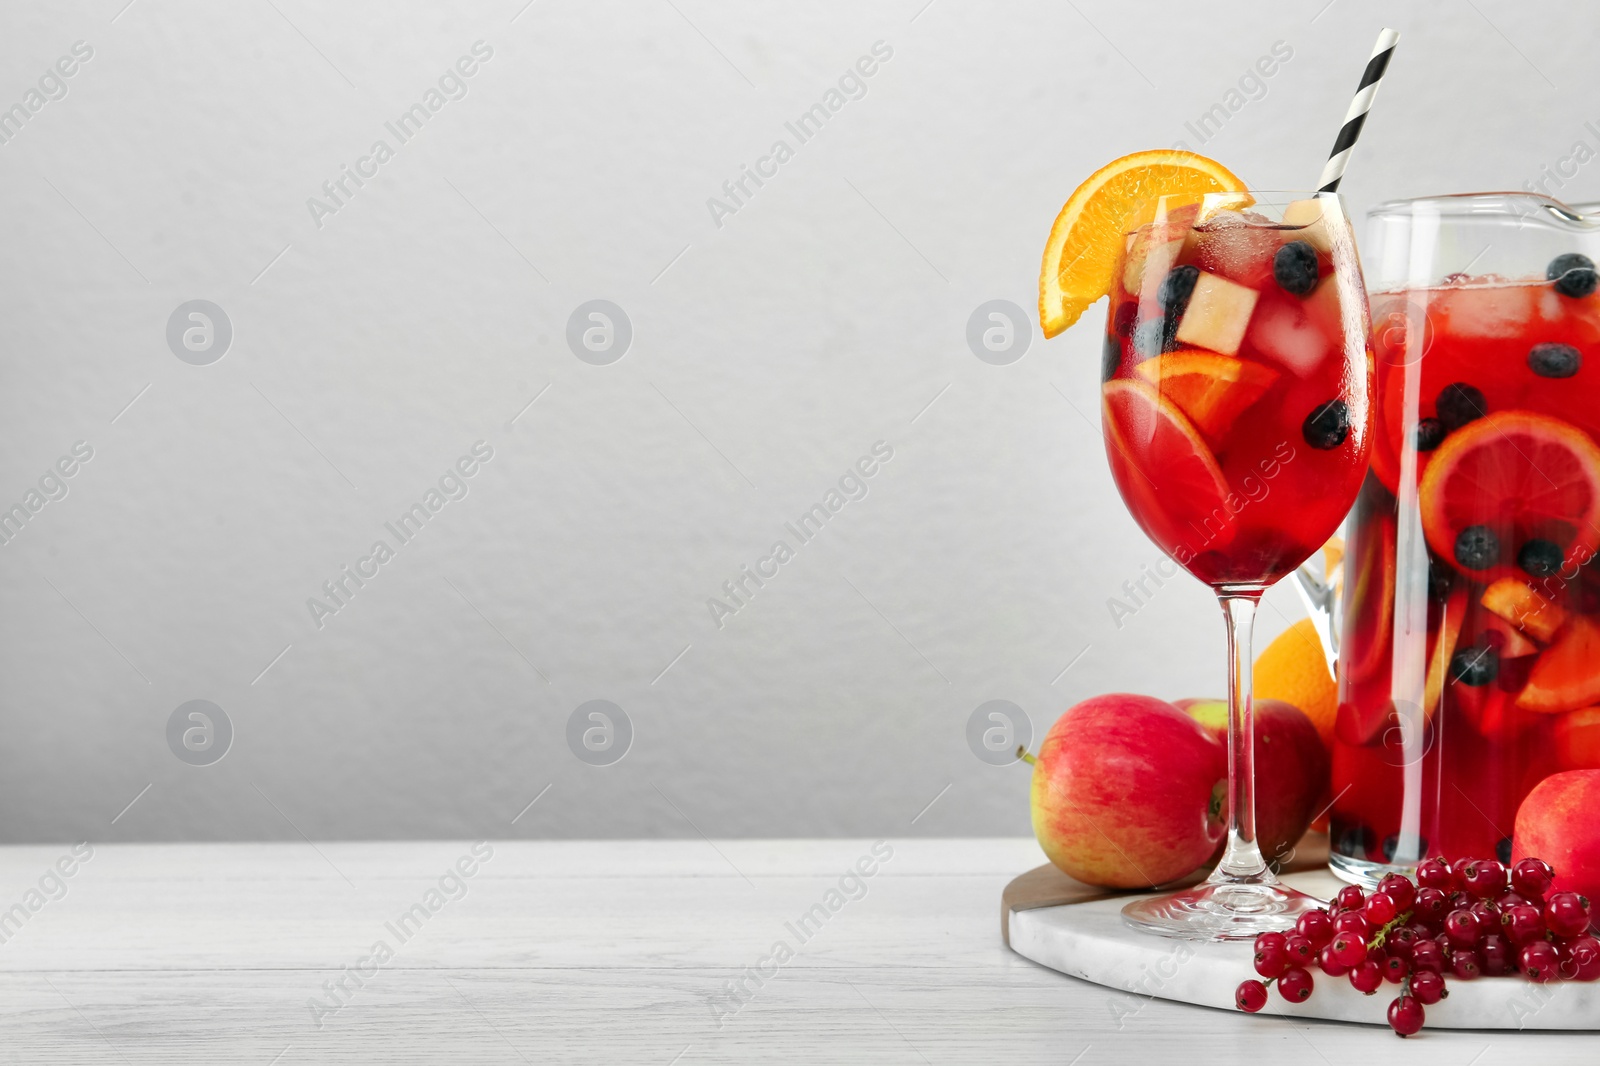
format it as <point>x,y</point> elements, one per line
<point>1236,410</point>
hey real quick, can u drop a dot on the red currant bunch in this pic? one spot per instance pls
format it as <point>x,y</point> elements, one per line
<point>1465,919</point>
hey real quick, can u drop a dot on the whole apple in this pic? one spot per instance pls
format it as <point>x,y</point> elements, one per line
<point>1291,769</point>
<point>1129,792</point>
<point>1556,823</point>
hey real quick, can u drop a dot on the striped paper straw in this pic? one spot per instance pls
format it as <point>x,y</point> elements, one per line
<point>1359,106</point>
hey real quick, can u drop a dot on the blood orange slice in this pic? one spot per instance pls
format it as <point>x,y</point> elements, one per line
<point>1567,675</point>
<point>1211,389</point>
<point>1506,479</point>
<point>1167,474</point>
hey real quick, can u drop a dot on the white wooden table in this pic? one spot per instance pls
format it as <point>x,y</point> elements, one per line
<point>603,952</point>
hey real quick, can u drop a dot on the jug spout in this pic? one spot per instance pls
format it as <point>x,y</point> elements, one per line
<point>1320,594</point>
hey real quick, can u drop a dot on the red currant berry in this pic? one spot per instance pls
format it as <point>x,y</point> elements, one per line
<point>1401,941</point>
<point>1315,926</point>
<point>1483,878</point>
<point>1295,984</point>
<point>1434,873</point>
<point>1466,965</point>
<point>1566,914</point>
<point>1427,955</point>
<point>1380,909</point>
<point>1539,961</point>
<point>1354,923</point>
<point>1431,904</point>
<point>1428,987</point>
<point>1367,978</point>
<point>1331,965</point>
<point>1531,877</point>
<point>1498,958</point>
<point>1395,969</point>
<point>1584,954</point>
<point>1250,996</point>
<point>1350,898</point>
<point>1348,950</point>
<point>1508,900</point>
<point>1398,888</point>
<point>1463,928</point>
<point>1488,913</point>
<point>1299,950</point>
<point>1522,923</point>
<point>1405,1015</point>
<point>1271,960</point>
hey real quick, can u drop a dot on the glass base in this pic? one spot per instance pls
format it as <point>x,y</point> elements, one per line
<point>1225,910</point>
<point>1364,872</point>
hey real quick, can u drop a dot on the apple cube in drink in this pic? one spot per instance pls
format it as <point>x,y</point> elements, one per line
<point>1309,214</point>
<point>1218,314</point>
<point>1151,254</point>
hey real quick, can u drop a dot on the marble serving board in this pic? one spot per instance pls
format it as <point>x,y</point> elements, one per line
<point>1076,929</point>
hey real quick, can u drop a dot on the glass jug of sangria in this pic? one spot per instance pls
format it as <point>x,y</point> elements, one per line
<point>1468,652</point>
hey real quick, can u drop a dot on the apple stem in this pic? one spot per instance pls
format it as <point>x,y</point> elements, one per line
<point>1025,755</point>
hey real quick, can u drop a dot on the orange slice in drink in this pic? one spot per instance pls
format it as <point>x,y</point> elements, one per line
<point>1508,478</point>
<point>1166,469</point>
<point>1372,599</point>
<point>1211,389</point>
<point>1567,675</point>
<point>1081,255</point>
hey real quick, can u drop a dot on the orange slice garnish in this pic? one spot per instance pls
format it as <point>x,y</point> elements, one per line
<point>1081,255</point>
<point>1211,389</point>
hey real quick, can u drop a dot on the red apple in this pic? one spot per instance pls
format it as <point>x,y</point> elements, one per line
<point>1291,769</point>
<point>1128,792</point>
<point>1556,823</point>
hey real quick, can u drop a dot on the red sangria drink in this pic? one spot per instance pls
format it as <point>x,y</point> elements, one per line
<point>1237,383</point>
<point>1469,665</point>
<point>1237,421</point>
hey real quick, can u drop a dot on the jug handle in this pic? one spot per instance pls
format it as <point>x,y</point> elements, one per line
<point>1321,597</point>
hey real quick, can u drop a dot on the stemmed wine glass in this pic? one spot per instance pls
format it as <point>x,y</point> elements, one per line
<point>1236,410</point>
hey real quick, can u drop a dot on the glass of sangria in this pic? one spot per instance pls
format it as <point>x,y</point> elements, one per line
<point>1469,665</point>
<point>1236,412</point>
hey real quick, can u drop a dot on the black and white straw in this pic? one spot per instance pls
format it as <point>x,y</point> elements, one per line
<point>1357,115</point>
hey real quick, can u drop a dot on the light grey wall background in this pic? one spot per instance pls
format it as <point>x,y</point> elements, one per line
<point>768,354</point>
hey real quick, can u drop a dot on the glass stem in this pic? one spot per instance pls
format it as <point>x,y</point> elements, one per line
<point>1242,860</point>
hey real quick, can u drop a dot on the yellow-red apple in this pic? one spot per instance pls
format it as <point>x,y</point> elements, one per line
<point>1129,792</point>
<point>1292,769</point>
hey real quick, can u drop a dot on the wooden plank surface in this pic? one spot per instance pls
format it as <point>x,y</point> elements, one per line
<point>603,952</point>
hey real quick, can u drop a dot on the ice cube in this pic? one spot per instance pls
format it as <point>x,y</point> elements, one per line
<point>1498,311</point>
<point>1232,247</point>
<point>1283,332</point>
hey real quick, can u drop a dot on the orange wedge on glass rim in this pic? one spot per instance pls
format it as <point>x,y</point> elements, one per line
<point>1081,255</point>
